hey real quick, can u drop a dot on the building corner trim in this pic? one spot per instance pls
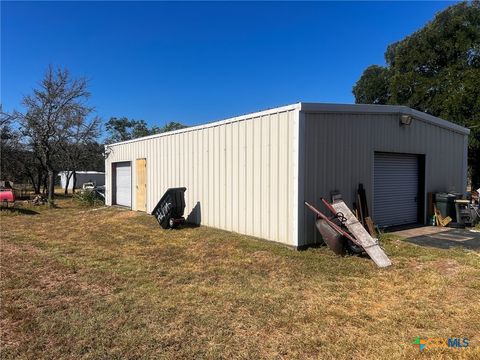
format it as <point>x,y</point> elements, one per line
<point>465,164</point>
<point>299,179</point>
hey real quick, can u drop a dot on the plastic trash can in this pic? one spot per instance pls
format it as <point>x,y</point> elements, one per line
<point>170,208</point>
<point>445,203</point>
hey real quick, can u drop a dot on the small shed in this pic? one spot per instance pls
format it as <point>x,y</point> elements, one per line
<point>251,174</point>
<point>96,177</point>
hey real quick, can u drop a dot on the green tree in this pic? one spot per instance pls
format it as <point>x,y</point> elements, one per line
<point>122,129</point>
<point>372,87</point>
<point>18,163</point>
<point>172,126</point>
<point>435,70</point>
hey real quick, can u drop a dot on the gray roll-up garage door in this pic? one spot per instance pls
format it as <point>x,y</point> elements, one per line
<point>123,184</point>
<point>395,189</point>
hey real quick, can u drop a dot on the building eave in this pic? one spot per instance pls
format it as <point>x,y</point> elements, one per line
<point>319,108</point>
<point>276,110</point>
<point>382,109</point>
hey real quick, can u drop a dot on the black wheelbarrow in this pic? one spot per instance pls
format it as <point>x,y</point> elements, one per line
<point>169,210</point>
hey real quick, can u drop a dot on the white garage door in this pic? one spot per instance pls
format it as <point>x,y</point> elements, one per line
<point>395,189</point>
<point>123,184</point>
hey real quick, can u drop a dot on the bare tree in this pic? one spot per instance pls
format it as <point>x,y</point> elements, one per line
<point>53,112</point>
<point>75,151</point>
<point>18,164</point>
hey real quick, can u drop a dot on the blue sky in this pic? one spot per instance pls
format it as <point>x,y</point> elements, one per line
<point>199,62</point>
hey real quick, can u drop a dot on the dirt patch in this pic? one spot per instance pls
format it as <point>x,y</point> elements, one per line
<point>447,266</point>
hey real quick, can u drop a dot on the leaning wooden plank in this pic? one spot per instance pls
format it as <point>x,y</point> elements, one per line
<point>430,212</point>
<point>370,244</point>
<point>370,226</point>
<point>363,197</point>
<point>438,216</point>
<point>360,209</point>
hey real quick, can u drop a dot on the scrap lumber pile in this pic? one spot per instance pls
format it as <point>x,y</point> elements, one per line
<point>452,210</point>
<point>439,219</point>
<point>39,200</point>
<point>361,211</point>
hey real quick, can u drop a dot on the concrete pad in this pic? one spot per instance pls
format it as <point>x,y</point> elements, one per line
<point>423,230</point>
<point>441,237</point>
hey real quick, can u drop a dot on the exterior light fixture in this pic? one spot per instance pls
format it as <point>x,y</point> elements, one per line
<point>107,151</point>
<point>405,120</point>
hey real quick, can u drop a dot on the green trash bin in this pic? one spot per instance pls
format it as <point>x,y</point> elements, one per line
<point>445,203</point>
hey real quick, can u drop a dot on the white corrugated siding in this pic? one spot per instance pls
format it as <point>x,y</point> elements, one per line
<point>238,174</point>
<point>339,152</point>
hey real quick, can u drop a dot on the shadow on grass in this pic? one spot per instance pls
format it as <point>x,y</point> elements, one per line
<point>194,219</point>
<point>188,225</point>
<point>20,211</point>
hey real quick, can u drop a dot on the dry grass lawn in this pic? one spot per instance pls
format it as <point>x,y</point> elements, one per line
<point>110,283</point>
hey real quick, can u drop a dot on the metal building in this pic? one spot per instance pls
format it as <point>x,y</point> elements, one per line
<point>251,174</point>
<point>96,177</point>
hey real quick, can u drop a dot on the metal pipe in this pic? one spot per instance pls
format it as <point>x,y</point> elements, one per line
<point>332,224</point>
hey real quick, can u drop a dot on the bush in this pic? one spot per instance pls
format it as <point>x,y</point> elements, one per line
<point>88,198</point>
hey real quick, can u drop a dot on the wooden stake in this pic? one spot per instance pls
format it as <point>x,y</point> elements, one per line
<point>439,217</point>
<point>371,226</point>
<point>359,204</point>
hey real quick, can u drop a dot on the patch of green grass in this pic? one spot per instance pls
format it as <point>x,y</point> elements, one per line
<point>110,283</point>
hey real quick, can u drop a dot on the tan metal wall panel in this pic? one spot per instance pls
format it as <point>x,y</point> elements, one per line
<point>265,177</point>
<point>339,150</point>
<point>239,172</point>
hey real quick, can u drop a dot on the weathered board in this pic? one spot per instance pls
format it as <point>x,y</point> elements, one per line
<point>370,244</point>
<point>141,186</point>
<point>370,226</point>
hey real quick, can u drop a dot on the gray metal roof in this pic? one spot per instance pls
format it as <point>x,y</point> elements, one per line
<point>323,108</point>
<point>382,109</point>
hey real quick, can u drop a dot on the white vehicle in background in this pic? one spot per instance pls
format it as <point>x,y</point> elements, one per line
<point>91,187</point>
<point>88,186</point>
